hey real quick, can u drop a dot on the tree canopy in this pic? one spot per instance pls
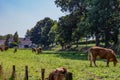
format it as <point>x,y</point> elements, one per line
<point>87,18</point>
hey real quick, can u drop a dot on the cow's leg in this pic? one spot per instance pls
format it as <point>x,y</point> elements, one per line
<point>91,59</point>
<point>95,62</point>
<point>90,63</point>
<point>114,62</point>
<point>107,63</point>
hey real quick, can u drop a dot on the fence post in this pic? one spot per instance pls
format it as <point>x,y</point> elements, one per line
<point>13,75</point>
<point>43,74</point>
<point>1,71</point>
<point>26,73</point>
<point>69,76</point>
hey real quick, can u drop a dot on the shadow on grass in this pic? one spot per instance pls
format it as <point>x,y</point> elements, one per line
<point>69,55</point>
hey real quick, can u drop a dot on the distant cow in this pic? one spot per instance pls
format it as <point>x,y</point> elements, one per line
<point>102,53</point>
<point>58,74</point>
<point>39,50</point>
<point>33,49</point>
<point>3,48</point>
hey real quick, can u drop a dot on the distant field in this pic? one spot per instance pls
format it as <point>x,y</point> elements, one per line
<point>75,62</point>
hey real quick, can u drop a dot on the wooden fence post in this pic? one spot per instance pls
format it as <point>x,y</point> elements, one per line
<point>1,71</point>
<point>69,76</point>
<point>43,74</point>
<point>26,73</point>
<point>13,75</point>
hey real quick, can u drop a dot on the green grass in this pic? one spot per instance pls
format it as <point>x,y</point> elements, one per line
<point>74,62</point>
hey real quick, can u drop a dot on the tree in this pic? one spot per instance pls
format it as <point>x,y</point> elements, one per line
<point>66,26</point>
<point>72,5</point>
<point>45,32</point>
<point>7,39</point>
<point>69,23</point>
<point>35,34</point>
<point>16,38</point>
<point>39,34</point>
<point>27,33</point>
<point>53,33</point>
<point>103,17</point>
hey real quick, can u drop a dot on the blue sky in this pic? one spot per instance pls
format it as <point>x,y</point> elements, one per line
<point>20,15</point>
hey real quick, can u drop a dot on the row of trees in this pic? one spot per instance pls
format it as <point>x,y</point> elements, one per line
<point>87,18</point>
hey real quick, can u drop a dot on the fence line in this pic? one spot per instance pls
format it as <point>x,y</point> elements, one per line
<point>68,76</point>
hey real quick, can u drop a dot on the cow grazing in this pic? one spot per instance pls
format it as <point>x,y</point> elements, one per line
<point>33,49</point>
<point>102,53</point>
<point>3,48</point>
<point>39,50</point>
<point>58,74</point>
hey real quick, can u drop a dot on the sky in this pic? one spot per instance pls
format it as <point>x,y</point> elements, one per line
<point>20,15</point>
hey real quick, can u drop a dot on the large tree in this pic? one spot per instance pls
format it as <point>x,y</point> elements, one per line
<point>39,34</point>
<point>45,40</point>
<point>103,17</point>
<point>66,26</point>
<point>53,33</point>
<point>64,31</point>
<point>71,31</point>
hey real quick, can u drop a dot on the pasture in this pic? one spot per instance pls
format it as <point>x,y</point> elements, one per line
<point>75,62</point>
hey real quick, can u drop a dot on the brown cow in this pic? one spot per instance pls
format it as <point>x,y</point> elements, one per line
<point>3,48</point>
<point>33,49</point>
<point>102,53</point>
<point>58,74</point>
<point>39,50</point>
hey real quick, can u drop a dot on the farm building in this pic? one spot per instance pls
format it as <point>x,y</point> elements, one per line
<point>24,42</point>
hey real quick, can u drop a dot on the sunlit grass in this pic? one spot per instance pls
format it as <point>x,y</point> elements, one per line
<point>74,62</point>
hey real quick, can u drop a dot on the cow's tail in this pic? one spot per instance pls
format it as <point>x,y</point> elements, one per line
<point>90,56</point>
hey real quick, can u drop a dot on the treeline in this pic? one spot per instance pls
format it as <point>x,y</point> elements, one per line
<point>11,40</point>
<point>86,19</point>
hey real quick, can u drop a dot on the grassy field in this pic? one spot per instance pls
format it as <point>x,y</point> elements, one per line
<point>75,62</point>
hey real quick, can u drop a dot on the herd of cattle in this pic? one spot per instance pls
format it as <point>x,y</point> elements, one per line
<point>5,48</point>
<point>93,53</point>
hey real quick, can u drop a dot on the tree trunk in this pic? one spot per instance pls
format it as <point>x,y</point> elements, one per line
<point>77,43</point>
<point>107,37</point>
<point>116,37</point>
<point>97,39</point>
